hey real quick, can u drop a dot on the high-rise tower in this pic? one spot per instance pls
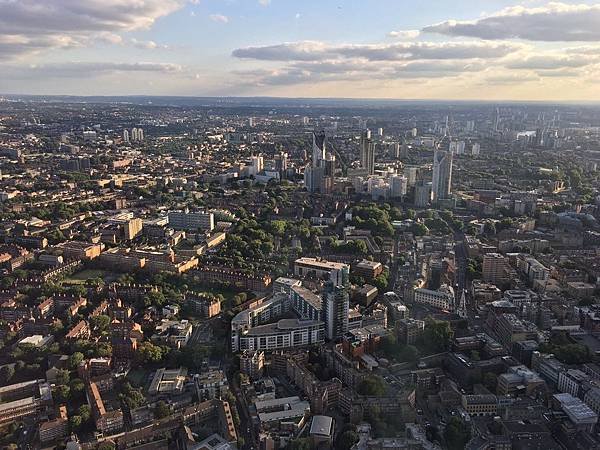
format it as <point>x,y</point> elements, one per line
<point>442,175</point>
<point>336,305</point>
<point>367,152</point>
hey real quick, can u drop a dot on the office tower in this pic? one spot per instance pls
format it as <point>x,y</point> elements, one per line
<point>336,305</point>
<point>411,175</point>
<point>422,194</point>
<point>494,268</point>
<point>367,153</point>
<point>134,135</point>
<point>251,122</point>
<point>281,164</point>
<point>475,149</point>
<point>380,132</point>
<point>414,132</point>
<point>191,221</point>
<point>398,186</point>
<point>397,148</point>
<point>305,121</point>
<point>442,175</point>
<point>257,164</point>
<point>132,228</point>
<point>318,148</point>
<point>125,136</point>
<point>319,176</point>
<point>497,120</point>
<point>140,134</point>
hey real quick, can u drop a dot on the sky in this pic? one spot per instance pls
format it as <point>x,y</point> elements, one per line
<point>395,49</point>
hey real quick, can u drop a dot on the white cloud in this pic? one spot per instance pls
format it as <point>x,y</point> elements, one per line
<point>404,51</point>
<point>48,24</point>
<point>219,18</point>
<point>147,45</point>
<point>85,69</point>
<point>404,34</point>
<point>264,2</point>
<point>549,62</point>
<point>552,22</point>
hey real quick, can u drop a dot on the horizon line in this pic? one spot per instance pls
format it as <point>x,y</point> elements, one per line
<point>271,97</point>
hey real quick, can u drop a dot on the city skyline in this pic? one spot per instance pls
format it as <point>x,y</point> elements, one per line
<point>436,49</point>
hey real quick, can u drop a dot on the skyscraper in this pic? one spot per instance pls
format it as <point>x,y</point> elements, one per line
<point>281,164</point>
<point>442,175</point>
<point>125,136</point>
<point>336,305</point>
<point>318,148</point>
<point>319,176</point>
<point>367,153</point>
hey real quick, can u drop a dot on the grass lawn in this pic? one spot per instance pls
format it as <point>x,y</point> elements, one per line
<point>86,274</point>
<point>137,377</point>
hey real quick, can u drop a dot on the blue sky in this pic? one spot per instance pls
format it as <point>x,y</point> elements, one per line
<point>446,49</point>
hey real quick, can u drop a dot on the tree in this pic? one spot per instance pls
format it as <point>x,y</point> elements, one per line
<point>6,373</point>
<point>100,322</point>
<point>490,381</point>
<point>106,446</point>
<point>147,352</point>
<point>154,298</point>
<point>346,440</point>
<point>299,444</point>
<point>77,385</point>
<point>63,376</point>
<point>75,360</point>
<point>63,392</point>
<point>456,434</point>
<point>162,410</point>
<point>418,229</point>
<point>132,397</point>
<point>436,336</point>
<point>75,422</point>
<point>371,386</point>
<point>85,412</point>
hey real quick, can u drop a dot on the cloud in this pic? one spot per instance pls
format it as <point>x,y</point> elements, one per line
<point>147,45</point>
<point>552,22</point>
<point>85,69</point>
<point>405,34</point>
<point>508,78</point>
<point>404,51</point>
<point>303,72</point>
<point>549,62</point>
<point>48,24</point>
<point>264,2</point>
<point>219,18</point>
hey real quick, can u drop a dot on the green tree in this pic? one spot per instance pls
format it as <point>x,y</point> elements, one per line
<point>346,440</point>
<point>299,444</point>
<point>100,322</point>
<point>63,376</point>
<point>75,422</point>
<point>437,336</point>
<point>490,381</point>
<point>85,412</point>
<point>147,352</point>
<point>162,410</point>
<point>63,392</point>
<point>77,385</point>
<point>75,360</point>
<point>7,372</point>
<point>456,434</point>
<point>106,446</point>
<point>371,385</point>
